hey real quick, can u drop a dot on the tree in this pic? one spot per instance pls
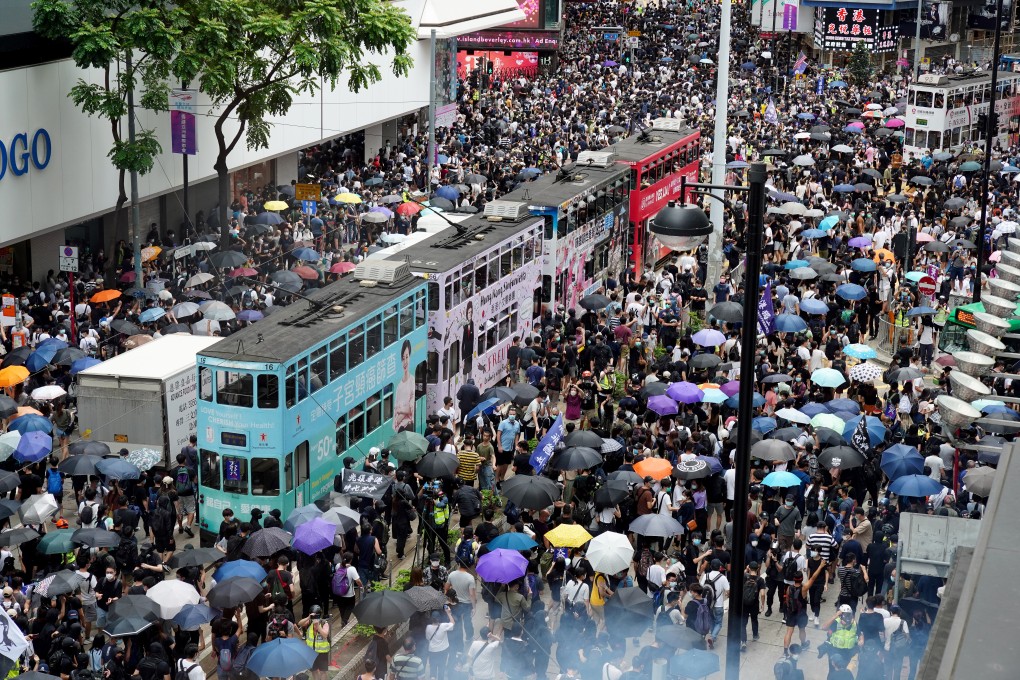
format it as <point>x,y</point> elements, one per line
<point>859,66</point>
<point>252,57</point>
<point>103,35</point>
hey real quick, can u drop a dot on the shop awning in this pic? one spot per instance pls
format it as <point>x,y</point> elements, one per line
<point>450,19</point>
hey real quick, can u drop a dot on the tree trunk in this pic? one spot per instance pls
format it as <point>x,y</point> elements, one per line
<point>223,195</point>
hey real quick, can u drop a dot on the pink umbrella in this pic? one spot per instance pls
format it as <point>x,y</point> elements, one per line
<point>243,271</point>
<point>342,268</point>
<point>925,238</point>
<point>994,257</point>
<point>127,277</point>
<point>894,123</point>
<point>856,124</point>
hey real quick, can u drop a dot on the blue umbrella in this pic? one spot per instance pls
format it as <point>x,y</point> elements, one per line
<point>448,192</point>
<point>914,311</point>
<point>900,460</point>
<point>814,306</point>
<point>31,423</point>
<point>806,116</point>
<point>485,406</point>
<point>813,408</point>
<point>851,291</point>
<point>844,405</point>
<point>748,66</point>
<point>33,447</point>
<point>38,361</point>
<point>240,568</point>
<point>666,60</point>
<point>51,345</point>
<point>79,365</point>
<point>783,196</point>
<point>827,377</point>
<point>298,516</point>
<point>863,264</point>
<point>737,165</point>
<point>876,430</point>
<point>781,479</point>
<point>790,323</point>
<point>442,158</point>
<point>764,425</point>
<point>117,468</point>
<point>828,222</point>
<point>192,616</point>
<point>844,188</point>
<point>860,351</point>
<point>306,254</point>
<point>512,541</point>
<point>853,129</point>
<point>249,315</point>
<point>281,658</point>
<point>837,84</point>
<point>734,402</point>
<point>713,463</point>
<point>152,314</point>
<point>796,264</point>
<point>813,233</point>
<point>915,486</point>
<point>989,409</point>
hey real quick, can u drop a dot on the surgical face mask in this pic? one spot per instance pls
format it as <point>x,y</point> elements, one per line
<point>775,545</point>
<point>697,541</point>
<point>110,577</point>
<point>814,553</point>
<point>789,504</point>
<point>434,563</point>
<point>513,418</point>
<point>754,544</point>
<point>795,656</point>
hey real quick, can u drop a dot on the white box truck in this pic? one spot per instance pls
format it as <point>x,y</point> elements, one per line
<point>145,397</point>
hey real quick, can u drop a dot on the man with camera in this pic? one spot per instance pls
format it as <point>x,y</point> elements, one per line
<point>316,633</point>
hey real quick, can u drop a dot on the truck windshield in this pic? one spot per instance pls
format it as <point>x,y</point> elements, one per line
<point>210,469</point>
<point>265,477</point>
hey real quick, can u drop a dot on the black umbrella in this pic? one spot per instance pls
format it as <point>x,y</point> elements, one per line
<point>654,389</point>
<point>130,615</point>
<point>594,302</point>
<point>679,637</point>
<point>18,536</point>
<point>36,675</point>
<point>775,152</point>
<point>628,476</point>
<point>904,374</point>
<point>266,542</point>
<point>426,598</point>
<point>287,280</point>
<point>125,327</point>
<point>441,203</point>
<point>500,392</point>
<point>832,278</point>
<point>530,492</point>
<point>89,448</point>
<point>8,407</point>
<point>962,243</point>
<point>583,438</point>
<point>8,507</point>
<point>731,312</point>
<point>936,247</point>
<point>615,491</point>
<point>384,608</point>
<point>524,392</point>
<point>827,437</point>
<point>436,464</point>
<point>633,600</point>
<point>78,465</point>
<point>842,457</point>
<point>96,538</point>
<point>67,356</point>
<point>576,458</point>
<point>773,450</point>
<point>705,360</point>
<point>61,583</point>
<point>228,259</point>
<point>234,591</point>
<point>16,357</point>
<point>9,481</point>
<point>175,328</point>
<point>694,469</point>
<point>785,434</point>
<point>476,179</point>
<point>194,557</point>
<point>656,524</point>
<point>959,221</point>
<point>777,378</point>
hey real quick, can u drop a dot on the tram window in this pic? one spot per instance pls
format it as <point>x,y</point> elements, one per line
<point>355,426</point>
<point>589,268</point>
<point>291,386</point>
<point>373,412</point>
<point>489,337</point>
<point>406,319</point>
<point>265,477</point>
<point>391,327</point>
<point>452,360</point>
<point>301,453</point>
<point>432,367</point>
<point>505,259</point>
<point>341,435</point>
<point>235,474</point>
<point>210,469</point>
<point>205,392</point>
<point>548,223</point>
<point>373,339</point>
<point>337,359</point>
<point>233,388</point>
<point>355,348</point>
<point>493,267</point>
<point>453,290</point>
<point>518,253</point>
<point>288,471</point>
<point>419,310</point>
<point>546,288</point>
<point>512,323</point>
<point>433,296</point>
<point>319,369</point>
<point>924,98</point>
<point>268,391</point>
<point>387,403</point>
<point>467,282</point>
<point>504,328</point>
<point>481,274</point>
<point>302,378</point>
<point>529,250</point>
<point>633,179</point>
<point>940,100</point>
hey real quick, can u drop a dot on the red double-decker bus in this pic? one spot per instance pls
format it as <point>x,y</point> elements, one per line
<point>658,158</point>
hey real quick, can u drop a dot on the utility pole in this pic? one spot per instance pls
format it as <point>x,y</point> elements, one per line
<point>722,96</point>
<point>432,112</point>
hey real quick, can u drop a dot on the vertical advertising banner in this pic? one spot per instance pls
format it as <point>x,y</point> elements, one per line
<point>183,110</point>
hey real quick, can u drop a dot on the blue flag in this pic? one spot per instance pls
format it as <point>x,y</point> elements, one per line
<point>545,449</point>
<point>766,313</point>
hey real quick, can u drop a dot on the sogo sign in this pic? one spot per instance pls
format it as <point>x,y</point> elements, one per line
<point>17,154</point>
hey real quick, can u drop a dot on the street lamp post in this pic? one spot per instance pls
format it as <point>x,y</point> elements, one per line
<point>680,227</point>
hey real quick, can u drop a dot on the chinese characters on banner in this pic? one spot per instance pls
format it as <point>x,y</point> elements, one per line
<point>841,28</point>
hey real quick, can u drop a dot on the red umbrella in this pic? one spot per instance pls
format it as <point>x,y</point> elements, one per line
<point>243,271</point>
<point>306,273</point>
<point>409,208</point>
<point>946,360</point>
<point>342,268</point>
<point>127,277</point>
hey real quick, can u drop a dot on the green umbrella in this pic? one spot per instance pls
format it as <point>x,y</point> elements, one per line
<point>57,542</point>
<point>828,420</point>
<point>915,276</point>
<point>970,166</point>
<point>408,445</point>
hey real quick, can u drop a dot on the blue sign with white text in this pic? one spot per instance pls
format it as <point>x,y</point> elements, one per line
<point>309,207</point>
<point>545,449</point>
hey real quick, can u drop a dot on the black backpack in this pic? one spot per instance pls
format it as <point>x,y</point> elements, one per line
<point>750,595</point>
<point>183,671</point>
<point>790,568</point>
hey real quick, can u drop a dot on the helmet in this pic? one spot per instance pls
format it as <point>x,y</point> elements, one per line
<point>315,611</point>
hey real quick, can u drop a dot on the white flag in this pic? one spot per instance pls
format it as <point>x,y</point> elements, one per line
<point>12,640</point>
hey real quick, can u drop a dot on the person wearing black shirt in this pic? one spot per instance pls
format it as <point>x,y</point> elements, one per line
<point>486,530</point>
<point>154,665</point>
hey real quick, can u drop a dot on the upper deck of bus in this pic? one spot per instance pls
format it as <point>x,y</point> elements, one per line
<point>663,133</point>
<point>289,331</point>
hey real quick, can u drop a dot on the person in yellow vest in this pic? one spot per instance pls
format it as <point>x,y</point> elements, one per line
<point>316,631</point>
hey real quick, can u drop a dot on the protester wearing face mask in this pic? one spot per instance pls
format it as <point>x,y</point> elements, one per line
<point>109,589</point>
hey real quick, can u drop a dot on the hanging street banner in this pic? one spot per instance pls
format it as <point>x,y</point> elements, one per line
<point>766,312</point>
<point>183,112</point>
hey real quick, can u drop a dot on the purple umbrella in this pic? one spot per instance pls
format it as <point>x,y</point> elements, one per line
<point>249,315</point>
<point>384,211</point>
<point>501,566</point>
<point>662,405</point>
<point>712,463</point>
<point>315,535</point>
<point>609,63</point>
<point>708,337</point>
<point>685,393</point>
<point>730,388</point>
<point>859,242</point>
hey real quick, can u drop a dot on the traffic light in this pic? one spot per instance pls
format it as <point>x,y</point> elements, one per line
<point>995,122</point>
<point>982,123</point>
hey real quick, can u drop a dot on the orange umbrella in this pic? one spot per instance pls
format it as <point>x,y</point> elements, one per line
<point>884,254</point>
<point>24,411</point>
<point>105,295</point>
<point>708,386</point>
<point>657,468</point>
<point>409,208</point>
<point>151,253</point>
<point>13,375</point>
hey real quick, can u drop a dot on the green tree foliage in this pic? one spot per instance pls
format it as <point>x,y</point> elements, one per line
<point>859,67</point>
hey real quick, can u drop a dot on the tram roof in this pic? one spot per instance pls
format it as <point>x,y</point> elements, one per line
<point>548,190</point>
<point>293,329</point>
<point>952,82</point>
<point>640,146</point>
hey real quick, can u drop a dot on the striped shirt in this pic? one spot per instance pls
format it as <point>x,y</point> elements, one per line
<point>407,666</point>
<point>823,543</point>
<point>467,464</point>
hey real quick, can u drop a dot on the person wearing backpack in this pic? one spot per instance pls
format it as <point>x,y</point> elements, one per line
<point>153,666</point>
<point>718,587</point>
<point>753,598</point>
<point>55,481</point>
<point>188,668</point>
<point>797,596</point>
<point>162,526</point>
<point>786,667</point>
<point>88,510</point>
<point>698,612</point>
<point>853,582</point>
<point>225,646</point>
<point>344,586</point>
<point>281,581</point>
<point>184,484</point>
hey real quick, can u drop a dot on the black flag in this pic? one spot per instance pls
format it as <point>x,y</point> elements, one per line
<point>860,440</point>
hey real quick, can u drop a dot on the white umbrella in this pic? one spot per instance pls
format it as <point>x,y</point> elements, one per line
<point>38,509</point>
<point>802,135</point>
<point>793,415</point>
<point>1008,227</point>
<point>610,553</point>
<point>202,246</point>
<point>172,596</point>
<point>865,372</point>
<point>184,309</point>
<point>218,311</point>
<point>47,392</point>
<point>198,280</point>
<point>873,107</point>
<point>794,208</point>
<point>8,443</point>
<point>814,212</point>
<point>804,160</point>
<point>842,148</point>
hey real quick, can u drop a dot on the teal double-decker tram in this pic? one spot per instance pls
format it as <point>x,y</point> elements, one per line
<point>282,402</point>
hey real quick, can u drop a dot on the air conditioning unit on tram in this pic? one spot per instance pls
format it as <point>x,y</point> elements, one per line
<point>506,210</point>
<point>668,124</point>
<point>373,272</point>
<point>597,159</point>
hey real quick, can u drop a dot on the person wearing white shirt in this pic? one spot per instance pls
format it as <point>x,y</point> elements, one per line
<point>482,656</point>
<point>936,465</point>
<point>189,664</point>
<point>437,634</point>
<point>656,575</point>
<point>895,627</point>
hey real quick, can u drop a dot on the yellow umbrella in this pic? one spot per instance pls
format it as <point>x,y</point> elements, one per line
<point>568,536</point>
<point>347,198</point>
<point>276,205</point>
<point>151,253</point>
<point>13,375</point>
